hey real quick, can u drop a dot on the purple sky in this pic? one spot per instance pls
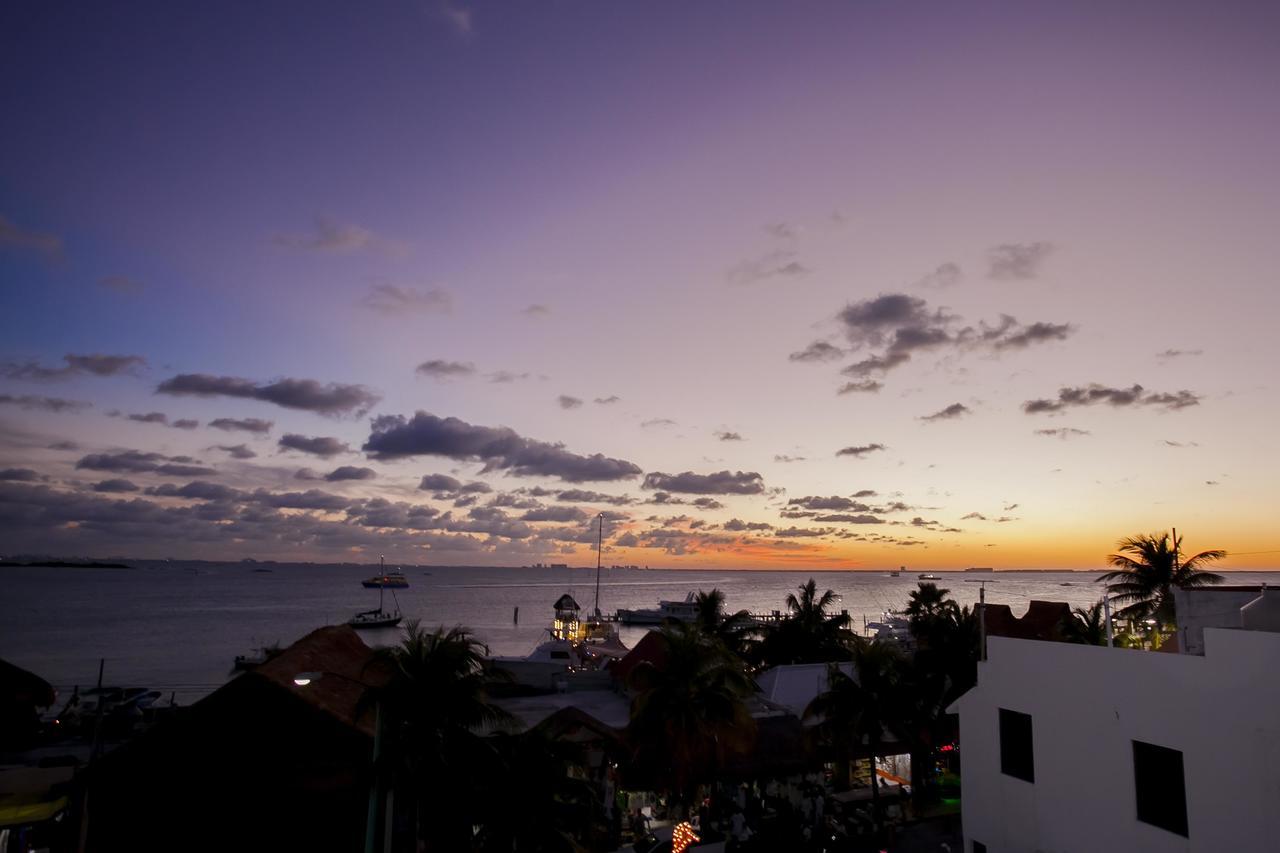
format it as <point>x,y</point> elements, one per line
<point>986,223</point>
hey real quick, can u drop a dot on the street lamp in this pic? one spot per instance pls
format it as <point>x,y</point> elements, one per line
<point>304,679</point>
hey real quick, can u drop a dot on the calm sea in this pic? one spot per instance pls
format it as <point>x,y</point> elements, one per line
<point>176,626</point>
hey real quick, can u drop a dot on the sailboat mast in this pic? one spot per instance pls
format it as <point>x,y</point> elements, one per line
<point>599,552</point>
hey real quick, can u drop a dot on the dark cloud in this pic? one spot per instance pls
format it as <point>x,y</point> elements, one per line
<point>505,377</point>
<point>945,275</point>
<point>800,532</point>
<point>310,499</point>
<point>438,368</point>
<point>185,423</point>
<point>865,493</point>
<point>859,451</point>
<point>94,364</point>
<point>115,486</point>
<point>319,445</point>
<point>306,394</point>
<point>835,502</point>
<point>588,497</point>
<point>499,448</point>
<point>14,236</point>
<point>1179,353</point>
<point>237,451</point>
<point>951,412</point>
<point>199,490</point>
<point>846,518</point>
<point>555,513</point>
<point>608,401</point>
<point>1017,261</point>
<point>446,488</point>
<point>707,503</point>
<point>725,435</point>
<point>350,472</point>
<point>782,457</point>
<point>976,516</point>
<point>151,418</point>
<point>818,351</point>
<point>1063,432</point>
<point>19,475</point>
<point>718,483</point>
<point>1119,397</point>
<point>136,461</point>
<point>738,525</point>
<point>64,445</point>
<point>782,263</point>
<point>47,404</point>
<point>1167,443</point>
<point>567,402</point>
<point>256,425</point>
<point>657,422</point>
<point>536,310</point>
<point>1016,336</point>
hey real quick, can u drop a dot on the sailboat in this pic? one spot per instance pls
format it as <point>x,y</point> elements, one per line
<point>378,618</point>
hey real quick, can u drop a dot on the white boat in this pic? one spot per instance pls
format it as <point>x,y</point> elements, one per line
<point>674,611</point>
<point>928,577</point>
<point>891,626</point>
<point>379,618</point>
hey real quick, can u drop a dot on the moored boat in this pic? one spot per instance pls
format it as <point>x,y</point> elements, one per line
<point>393,579</point>
<point>667,611</point>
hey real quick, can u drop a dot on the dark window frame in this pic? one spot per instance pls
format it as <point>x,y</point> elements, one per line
<point>1160,787</point>
<point>1017,745</point>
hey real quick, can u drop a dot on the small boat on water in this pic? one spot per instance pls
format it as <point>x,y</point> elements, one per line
<point>928,577</point>
<point>379,618</point>
<point>393,579</point>
<point>674,611</point>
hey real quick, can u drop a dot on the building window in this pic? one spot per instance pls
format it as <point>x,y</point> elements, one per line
<point>1016,756</point>
<point>1159,787</point>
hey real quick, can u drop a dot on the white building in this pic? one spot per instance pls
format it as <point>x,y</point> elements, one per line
<point>1071,748</point>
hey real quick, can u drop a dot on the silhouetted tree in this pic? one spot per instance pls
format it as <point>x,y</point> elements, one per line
<point>1148,568</point>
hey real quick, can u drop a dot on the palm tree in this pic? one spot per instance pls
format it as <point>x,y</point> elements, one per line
<point>809,634</point>
<point>1148,568</point>
<point>1088,625</point>
<point>856,712</point>
<point>925,602</point>
<point>436,711</point>
<point>689,711</point>
<point>733,630</point>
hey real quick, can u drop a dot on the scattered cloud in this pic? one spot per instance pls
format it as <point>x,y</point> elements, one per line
<point>307,394</point>
<point>796,532</point>
<point>784,458</point>
<point>350,472</point>
<point>499,448</point>
<point>14,236</point>
<point>718,483</point>
<point>319,445</point>
<point>254,425</point>
<point>608,401</point>
<point>438,368</point>
<point>390,299</point>
<point>1064,432</point>
<point>1017,261</point>
<point>859,451</point>
<point>1119,397</point>
<point>135,461</point>
<point>844,518</point>
<point>116,486</point>
<point>657,422</point>
<point>832,502</point>
<point>818,351</point>
<point>863,386</point>
<point>330,236</point>
<point>94,364</point>
<point>725,435</point>
<point>955,410</point>
<point>567,402</point>
<point>503,377</point>
<point>19,475</point>
<point>536,310</point>
<point>783,230</point>
<point>1166,442</point>
<point>47,404</point>
<point>236,451</point>
<point>946,275</point>
<point>151,418</point>
<point>707,503</point>
<point>1179,353</point>
<point>737,524</point>
<point>781,263</point>
<point>589,497</point>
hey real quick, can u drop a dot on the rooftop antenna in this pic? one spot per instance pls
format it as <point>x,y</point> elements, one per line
<point>599,552</point>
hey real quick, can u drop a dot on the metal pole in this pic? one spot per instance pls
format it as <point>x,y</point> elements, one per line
<point>599,553</point>
<point>1106,607</point>
<point>982,622</point>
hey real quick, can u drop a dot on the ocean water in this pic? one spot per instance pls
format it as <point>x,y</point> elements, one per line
<point>177,626</point>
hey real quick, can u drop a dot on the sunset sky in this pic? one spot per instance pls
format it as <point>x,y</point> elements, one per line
<point>820,284</point>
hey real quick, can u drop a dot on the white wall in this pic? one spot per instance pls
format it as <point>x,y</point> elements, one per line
<point>1088,703</point>
<point>1208,607</point>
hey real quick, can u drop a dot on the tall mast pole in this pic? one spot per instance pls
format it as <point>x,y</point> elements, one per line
<point>599,552</point>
